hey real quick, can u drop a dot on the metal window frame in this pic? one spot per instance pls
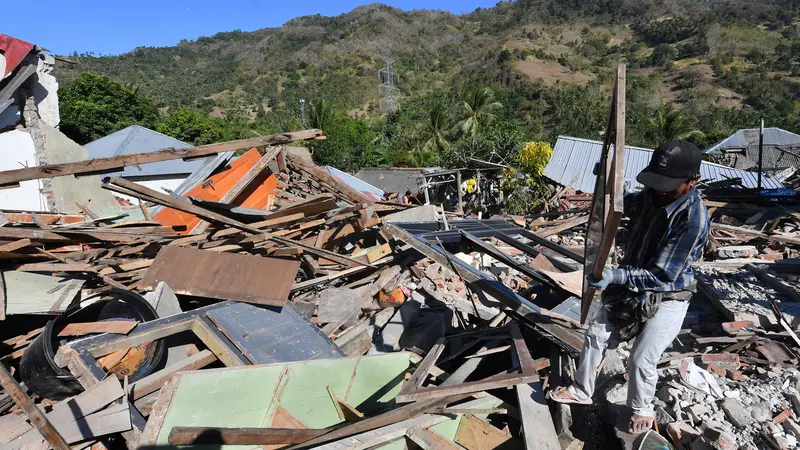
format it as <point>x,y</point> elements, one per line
<point>422,236</point>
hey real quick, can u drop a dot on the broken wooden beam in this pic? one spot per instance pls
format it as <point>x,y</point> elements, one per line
<point>11,178</point>
<point>241,436</point>
<point>35,415</point>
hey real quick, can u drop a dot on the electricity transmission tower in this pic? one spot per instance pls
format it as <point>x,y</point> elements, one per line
<point>387,89</point>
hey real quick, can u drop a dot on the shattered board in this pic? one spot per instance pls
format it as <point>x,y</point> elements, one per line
<point>33,293</point>
<point>267,336</point>
<point>249,396</point>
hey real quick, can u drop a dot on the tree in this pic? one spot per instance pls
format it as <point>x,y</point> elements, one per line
<point>663,55</point>
<point>191,126</point>
<point>479,108</point>
<point>320,114</point>
<point>670,124</point>
<point>436,129</point>
<point>94,106</point>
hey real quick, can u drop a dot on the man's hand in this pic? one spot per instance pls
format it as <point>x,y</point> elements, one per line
<point>599,284</point>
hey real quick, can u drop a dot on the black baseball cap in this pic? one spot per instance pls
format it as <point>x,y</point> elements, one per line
<point>671,165</point>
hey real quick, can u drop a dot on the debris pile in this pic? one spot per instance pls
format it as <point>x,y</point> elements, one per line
<point>158,325</point>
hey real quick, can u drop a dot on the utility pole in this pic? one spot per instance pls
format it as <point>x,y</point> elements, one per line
<point>303,112</point>
<point>387,89</point>
<point>760,152</point>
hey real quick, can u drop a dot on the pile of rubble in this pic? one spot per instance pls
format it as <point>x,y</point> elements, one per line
<point>287,309</point>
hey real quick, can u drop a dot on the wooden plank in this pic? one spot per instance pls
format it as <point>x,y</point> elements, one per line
<point>112,326</point>
<point>87,402</point>
<point>153,382</point>
<point>241,436</point>
<point>570,223</point>
<point>126,267</point>
<point>424,367</point>
<point>430,440</point>
<point>379,253</point>
<point>36,416</point>
<point>383,435</point>
<point>493,382</point>
<point>539,432</point>
<point>241,184</point>
<point>115,163</point>
<point>55,267</point>
<point>226,276</point>
<point>16,245</point>
<point>475,434</point>
<point>130,188</point>
<point>606,210</point>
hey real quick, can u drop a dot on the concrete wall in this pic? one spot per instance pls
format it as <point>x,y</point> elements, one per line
<point>45,92</point>
<point>67,189</point>
<point>18,152</point>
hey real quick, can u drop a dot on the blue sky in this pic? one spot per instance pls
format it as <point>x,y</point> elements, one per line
<point>113,26</point>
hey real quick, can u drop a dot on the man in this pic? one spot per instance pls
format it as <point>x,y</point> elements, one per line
<point>647,296</point>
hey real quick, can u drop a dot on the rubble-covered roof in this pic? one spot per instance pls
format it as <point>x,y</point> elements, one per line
<point>138,139</point>
<point>781,148</point>
<point>743,139</point>
<point>574,159</point>
<point>393,180</point>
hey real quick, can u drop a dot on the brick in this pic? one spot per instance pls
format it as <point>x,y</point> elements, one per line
<point>682,432</point>
<point>736,412</point>
<point>726,360</point>
<point>716,369</point>
<point>723,440</point>
<point>734,375</point>
<point>772,256</point>
<point>780,418</point>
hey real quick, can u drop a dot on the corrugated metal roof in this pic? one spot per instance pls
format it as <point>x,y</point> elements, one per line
<point>355,183</point>
<point>781,147</point>
<point>393,180</point>
<point>138,139</point>
<point>743,139</point>
<point>574,159</point>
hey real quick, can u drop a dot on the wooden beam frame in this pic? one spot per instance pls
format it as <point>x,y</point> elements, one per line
<point>79,357</point>
<point>12,178</point>
<point>606,211</point>
<point>412,390</point>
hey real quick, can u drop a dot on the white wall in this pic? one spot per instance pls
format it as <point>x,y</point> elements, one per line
<point>16,152</point>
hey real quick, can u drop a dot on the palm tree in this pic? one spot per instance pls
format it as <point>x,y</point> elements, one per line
<point>436,129</point>
<point>671,124</point>
<point>320,114</point>
<point>479,107</point>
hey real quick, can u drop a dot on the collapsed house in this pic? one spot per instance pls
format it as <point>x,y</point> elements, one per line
<point>780,149</point>
<point>266,302</point>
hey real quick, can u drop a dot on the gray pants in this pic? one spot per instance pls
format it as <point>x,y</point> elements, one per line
<point>651,342</point>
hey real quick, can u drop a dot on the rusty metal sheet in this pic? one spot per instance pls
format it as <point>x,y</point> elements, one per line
<point>225,276</point>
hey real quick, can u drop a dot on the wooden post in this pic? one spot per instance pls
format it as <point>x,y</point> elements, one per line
<point>478,190</point>
<point>36,416</point>
<point>459,208</point>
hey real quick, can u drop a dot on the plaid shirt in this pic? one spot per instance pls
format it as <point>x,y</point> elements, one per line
<point>663,242</point>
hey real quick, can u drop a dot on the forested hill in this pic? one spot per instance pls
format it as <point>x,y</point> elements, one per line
<point>711,66</point>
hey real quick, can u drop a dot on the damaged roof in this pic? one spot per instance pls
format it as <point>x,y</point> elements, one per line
<point>138,139</point>
<point>394,180</point>
<point>781,148</point>
<point>574,159</point>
